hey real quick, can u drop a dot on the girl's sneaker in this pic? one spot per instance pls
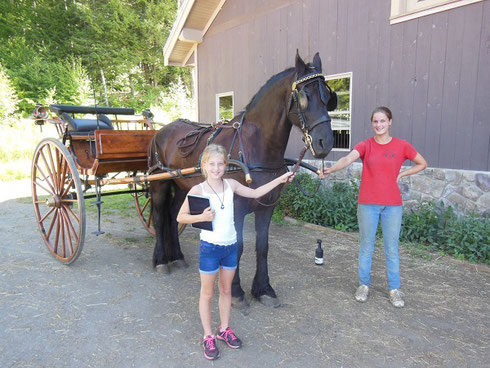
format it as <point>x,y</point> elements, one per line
<point>211,351</point>
<point>230,338</point>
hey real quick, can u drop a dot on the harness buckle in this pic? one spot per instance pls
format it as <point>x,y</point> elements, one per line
<point>236,125</point>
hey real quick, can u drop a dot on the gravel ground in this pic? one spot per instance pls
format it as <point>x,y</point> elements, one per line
<point>110,309</point>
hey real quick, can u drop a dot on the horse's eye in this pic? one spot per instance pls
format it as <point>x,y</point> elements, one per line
<point>302,100</point>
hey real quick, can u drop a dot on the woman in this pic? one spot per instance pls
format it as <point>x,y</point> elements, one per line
<point>380,198</point>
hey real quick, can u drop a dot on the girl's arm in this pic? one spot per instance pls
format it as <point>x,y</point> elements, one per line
<point>185,217</point>
<point>247,192</point>
<point>342,163</point>
<point>420,164</point>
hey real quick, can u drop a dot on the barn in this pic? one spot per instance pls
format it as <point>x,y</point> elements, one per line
<point>428,60</point>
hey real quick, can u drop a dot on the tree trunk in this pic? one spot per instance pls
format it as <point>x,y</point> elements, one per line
<point>105,87</point>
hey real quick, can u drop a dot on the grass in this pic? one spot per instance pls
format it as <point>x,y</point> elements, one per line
<point>121,205</point>
<point>17,145</point>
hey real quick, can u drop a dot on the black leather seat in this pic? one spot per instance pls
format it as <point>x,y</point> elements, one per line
<point>86,126</point>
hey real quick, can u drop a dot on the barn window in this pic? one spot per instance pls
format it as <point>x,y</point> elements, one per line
<point>341,116</point>
<point>403,10</point>
<point>224,106</point>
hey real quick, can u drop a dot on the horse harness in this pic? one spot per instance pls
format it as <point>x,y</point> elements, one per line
<point>187,144</point>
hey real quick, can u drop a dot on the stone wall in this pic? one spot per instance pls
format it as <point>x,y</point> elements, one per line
<point>466,191</point>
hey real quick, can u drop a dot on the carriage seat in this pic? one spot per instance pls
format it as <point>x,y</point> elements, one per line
<point>85,126</point>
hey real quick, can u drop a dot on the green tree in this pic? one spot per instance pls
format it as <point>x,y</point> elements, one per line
<point>54,45</point>
<point>8,97</point>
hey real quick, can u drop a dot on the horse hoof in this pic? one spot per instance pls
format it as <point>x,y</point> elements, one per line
<point>269,301</point>
<point>180,263</point>
<point>240,303</point>
<point>163,269</point>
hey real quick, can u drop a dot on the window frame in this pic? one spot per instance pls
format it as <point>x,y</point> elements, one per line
<point>349,75</point>
<point>404,10</point>
<point>224,94</point>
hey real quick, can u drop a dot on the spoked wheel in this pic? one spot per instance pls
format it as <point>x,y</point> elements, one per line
<point>142,201</point>
<point>58,200</point>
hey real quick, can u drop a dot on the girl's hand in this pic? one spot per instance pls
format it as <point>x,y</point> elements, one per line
<point>287,177</point>
<point>207,214</point>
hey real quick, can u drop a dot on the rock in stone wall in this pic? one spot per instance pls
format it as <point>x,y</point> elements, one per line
<point>466,191</point>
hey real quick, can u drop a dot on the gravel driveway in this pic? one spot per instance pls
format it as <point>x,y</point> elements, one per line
<point>110,309</point>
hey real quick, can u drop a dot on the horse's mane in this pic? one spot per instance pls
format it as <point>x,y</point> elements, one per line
<point>272,80</point>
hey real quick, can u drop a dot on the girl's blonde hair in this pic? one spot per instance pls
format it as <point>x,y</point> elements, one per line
<point>211,150</point>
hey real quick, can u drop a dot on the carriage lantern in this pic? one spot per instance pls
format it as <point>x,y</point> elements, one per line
<point>40,115</point>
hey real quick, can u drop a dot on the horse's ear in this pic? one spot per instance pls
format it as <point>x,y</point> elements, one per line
<point>300,65</point>
<point>317,62</point>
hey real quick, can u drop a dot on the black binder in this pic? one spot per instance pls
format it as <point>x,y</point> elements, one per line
<point>197,204</point>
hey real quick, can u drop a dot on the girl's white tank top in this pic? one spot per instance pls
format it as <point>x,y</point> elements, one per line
<point>224,232</point>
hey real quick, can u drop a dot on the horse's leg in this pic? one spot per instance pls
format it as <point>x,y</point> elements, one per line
<point>237,294</point>
<point>261,288</point>
<point>176,257</point>
<point>160,196</point>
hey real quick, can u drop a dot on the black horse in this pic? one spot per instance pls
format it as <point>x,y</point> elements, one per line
<point>297,96</point>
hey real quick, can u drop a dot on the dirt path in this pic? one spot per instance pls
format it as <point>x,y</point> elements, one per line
<point>109,309</point>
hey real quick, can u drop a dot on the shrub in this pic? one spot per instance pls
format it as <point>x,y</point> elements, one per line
<point>335,206</point>
<point>434,227</point>
<point>437,227</point>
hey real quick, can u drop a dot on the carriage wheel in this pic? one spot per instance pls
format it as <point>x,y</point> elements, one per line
<point>144,209</point>
<point>58,200</point>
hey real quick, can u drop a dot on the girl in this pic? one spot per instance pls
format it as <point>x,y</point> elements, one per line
<point>218,248</point>
<point>380,198</point>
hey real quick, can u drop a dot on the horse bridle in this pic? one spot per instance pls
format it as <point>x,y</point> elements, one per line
<point>301,100</point>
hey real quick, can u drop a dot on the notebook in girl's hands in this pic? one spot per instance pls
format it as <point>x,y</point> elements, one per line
<point>197,204</point>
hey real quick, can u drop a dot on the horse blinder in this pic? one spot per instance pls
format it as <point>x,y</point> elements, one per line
<point>332,102</point>
<point>330,99</point>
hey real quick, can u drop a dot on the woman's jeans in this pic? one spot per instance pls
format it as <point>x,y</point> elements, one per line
<point>368,216</point>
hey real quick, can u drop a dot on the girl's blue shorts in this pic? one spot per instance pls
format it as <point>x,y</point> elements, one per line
<point>213,256</point>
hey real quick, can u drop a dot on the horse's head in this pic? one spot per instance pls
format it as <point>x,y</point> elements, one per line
<point>310,101</point>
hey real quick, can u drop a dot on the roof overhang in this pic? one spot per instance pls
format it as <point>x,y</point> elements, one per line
<point>193,20</point>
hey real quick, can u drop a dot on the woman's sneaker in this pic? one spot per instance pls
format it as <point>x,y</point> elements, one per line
<point>362,293</point>
<point>230,338</point>
<point>396,298</point>
<point>211,351</point>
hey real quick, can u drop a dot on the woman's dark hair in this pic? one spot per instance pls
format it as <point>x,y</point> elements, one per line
<point>384,110</point>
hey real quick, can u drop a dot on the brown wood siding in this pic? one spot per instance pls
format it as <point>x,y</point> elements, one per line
<point>433,71</point>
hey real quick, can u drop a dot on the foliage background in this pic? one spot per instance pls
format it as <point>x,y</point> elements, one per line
<point>65,51</point>
<point>108,52</point>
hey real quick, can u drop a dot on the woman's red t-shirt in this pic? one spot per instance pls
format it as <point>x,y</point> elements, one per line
<point>381,166</point>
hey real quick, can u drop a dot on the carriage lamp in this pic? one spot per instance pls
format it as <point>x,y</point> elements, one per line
<point>319,253</point>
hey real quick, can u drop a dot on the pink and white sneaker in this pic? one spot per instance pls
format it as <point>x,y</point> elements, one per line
<point>211,351</point>
<point>229,337</point>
